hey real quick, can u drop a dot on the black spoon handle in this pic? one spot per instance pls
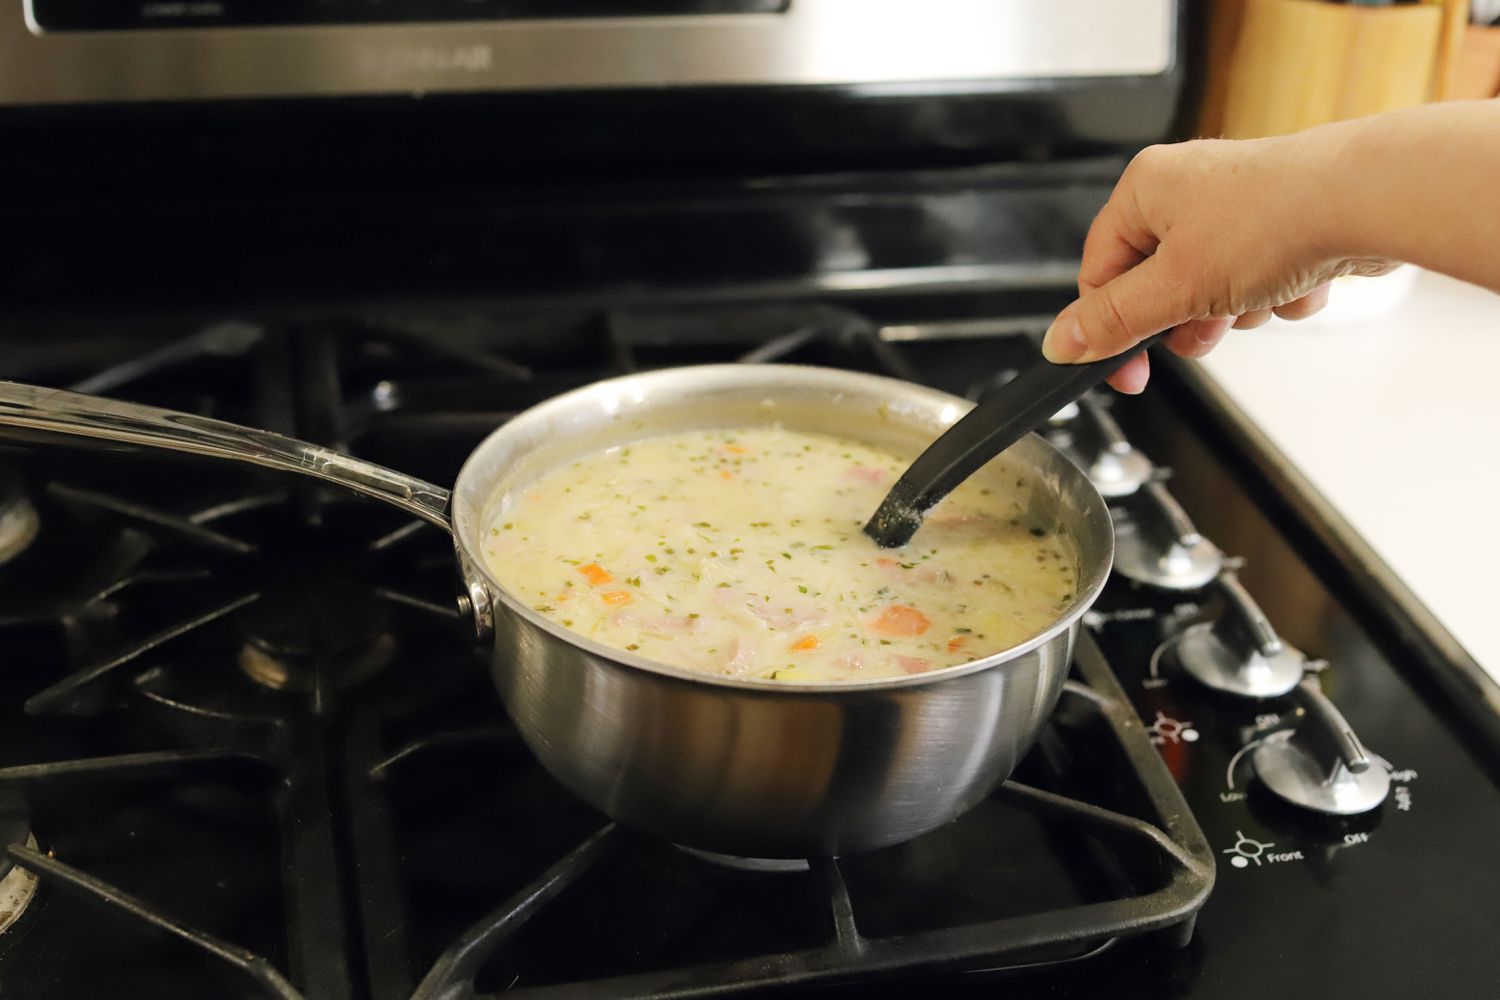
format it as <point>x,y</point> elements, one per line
<point>1008,415</point>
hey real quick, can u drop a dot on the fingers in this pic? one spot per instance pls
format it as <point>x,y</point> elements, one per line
<point>1306,306</point>
<point>1197,337</point>
<point>1111,248</point>
<point>1119,314</point>
<point>1253,319</point>
<point>1132,375</point>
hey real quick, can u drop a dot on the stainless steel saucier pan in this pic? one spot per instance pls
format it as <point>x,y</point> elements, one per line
<point>743,767</point>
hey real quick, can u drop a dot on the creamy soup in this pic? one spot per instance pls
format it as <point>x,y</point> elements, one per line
<point>741,554</point>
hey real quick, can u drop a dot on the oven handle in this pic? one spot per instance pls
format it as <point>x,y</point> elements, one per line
<point>57,411</point>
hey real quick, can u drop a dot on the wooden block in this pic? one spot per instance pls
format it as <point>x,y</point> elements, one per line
<point>1226,21</point>
<point>1477,70</point>
<point>1392,56</point>
<point>1300,63</point>
<point>1450,41</point>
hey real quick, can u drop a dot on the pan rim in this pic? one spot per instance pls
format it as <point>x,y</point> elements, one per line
<point>464,533</point>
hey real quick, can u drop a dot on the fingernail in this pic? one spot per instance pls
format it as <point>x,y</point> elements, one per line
<point>1064,341</point>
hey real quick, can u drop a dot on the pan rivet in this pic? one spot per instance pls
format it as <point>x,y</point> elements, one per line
<point>474,605</point>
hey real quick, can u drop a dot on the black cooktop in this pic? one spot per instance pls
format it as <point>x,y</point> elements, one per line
<point>258,759</point>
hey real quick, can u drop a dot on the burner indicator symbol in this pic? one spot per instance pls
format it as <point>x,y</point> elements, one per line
<point>1246,850</point>
<point>1167,730</point>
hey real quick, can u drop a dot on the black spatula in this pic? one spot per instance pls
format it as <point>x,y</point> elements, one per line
<point>1008,415</point>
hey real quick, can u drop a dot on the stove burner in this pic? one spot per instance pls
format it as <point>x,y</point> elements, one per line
<point>18,518</point>
<point>17,885</point>
<point>17,889</point>
<point>747,864</point>
<point>295,675</point>
<point>317,610</point>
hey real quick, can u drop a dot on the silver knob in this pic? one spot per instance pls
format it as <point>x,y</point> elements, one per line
<point>1156,543</point>
<point>1239,653</point>
<point>1321,765</point>
<point>1095,443</point>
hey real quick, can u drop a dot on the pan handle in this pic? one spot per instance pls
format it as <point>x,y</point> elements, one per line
<point>73,414</point>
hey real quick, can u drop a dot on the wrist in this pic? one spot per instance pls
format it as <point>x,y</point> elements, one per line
<point>1330,173</point>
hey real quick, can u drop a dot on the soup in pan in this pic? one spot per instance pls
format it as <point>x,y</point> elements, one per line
<point>741,554</point>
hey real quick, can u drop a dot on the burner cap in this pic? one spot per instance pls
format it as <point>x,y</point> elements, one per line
<point>317,606</point>
<point>17,885</point>
<point>18,517</point>
<point>747,864</point>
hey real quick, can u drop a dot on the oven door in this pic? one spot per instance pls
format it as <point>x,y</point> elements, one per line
<point>153,50</point>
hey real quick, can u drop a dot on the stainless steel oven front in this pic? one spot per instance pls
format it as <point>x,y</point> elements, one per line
<point>78,51</point>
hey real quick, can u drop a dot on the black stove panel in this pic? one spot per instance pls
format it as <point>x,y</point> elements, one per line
<point>259,760</point>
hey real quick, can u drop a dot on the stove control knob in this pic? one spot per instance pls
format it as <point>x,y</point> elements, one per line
<point>1095,443</point>
<point>1239,653</point>
<point>1156,543</point>
<point>1321,765</point>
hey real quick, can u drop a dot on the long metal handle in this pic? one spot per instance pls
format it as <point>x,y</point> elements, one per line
<point>1102,427</point>
<point>1243,619</point>
<point>73,414</point>
<point>1326,734</point>
<point>1165,518</point>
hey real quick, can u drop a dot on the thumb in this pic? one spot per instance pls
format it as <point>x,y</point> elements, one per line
<point>1119,314</point>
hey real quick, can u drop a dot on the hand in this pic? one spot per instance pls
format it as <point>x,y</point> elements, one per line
<point>1201,236</point>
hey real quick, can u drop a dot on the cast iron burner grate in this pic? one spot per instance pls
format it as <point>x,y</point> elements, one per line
<point>1167,875</point>
<point>257,739</point>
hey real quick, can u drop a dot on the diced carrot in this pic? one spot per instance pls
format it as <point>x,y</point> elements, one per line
<point>914,664</point>
<point>735,449</point>
<point>533,497</point>
<point>596,574</point>
<point>563,595</point>
<point>615,597</point>
<point>956,643</point>
<point>885,561</point>
<point>726,475</point>
<point>901,620</point>
<point>805,643</point>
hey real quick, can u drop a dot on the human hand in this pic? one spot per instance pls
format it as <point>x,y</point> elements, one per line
<point>1201,236</point>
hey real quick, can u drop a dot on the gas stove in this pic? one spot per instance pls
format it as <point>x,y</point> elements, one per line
<point>247,751</point>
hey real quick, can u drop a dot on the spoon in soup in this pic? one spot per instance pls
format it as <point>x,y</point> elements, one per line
<point>999,421</point>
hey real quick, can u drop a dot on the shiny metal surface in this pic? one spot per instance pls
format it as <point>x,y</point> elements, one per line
<point>18,518</point>
<point>1240,653</point>
<point>752,767</point>
<point>749,768</point>
<point>1092,439</point>
<point>1156,543</point>
<point>38,409</point>
<point>17,889</point>
<point>848,42</point>
<point>1253,674</point>
<point>1321,765</point>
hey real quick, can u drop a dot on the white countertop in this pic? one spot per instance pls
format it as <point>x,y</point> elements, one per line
<point>1387,402</point>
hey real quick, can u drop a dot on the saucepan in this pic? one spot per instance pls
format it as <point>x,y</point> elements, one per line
<point>740,767</point>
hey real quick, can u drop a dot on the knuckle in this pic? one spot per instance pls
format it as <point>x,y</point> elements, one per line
<point>1149,158</point>
<point>1112,329</point>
